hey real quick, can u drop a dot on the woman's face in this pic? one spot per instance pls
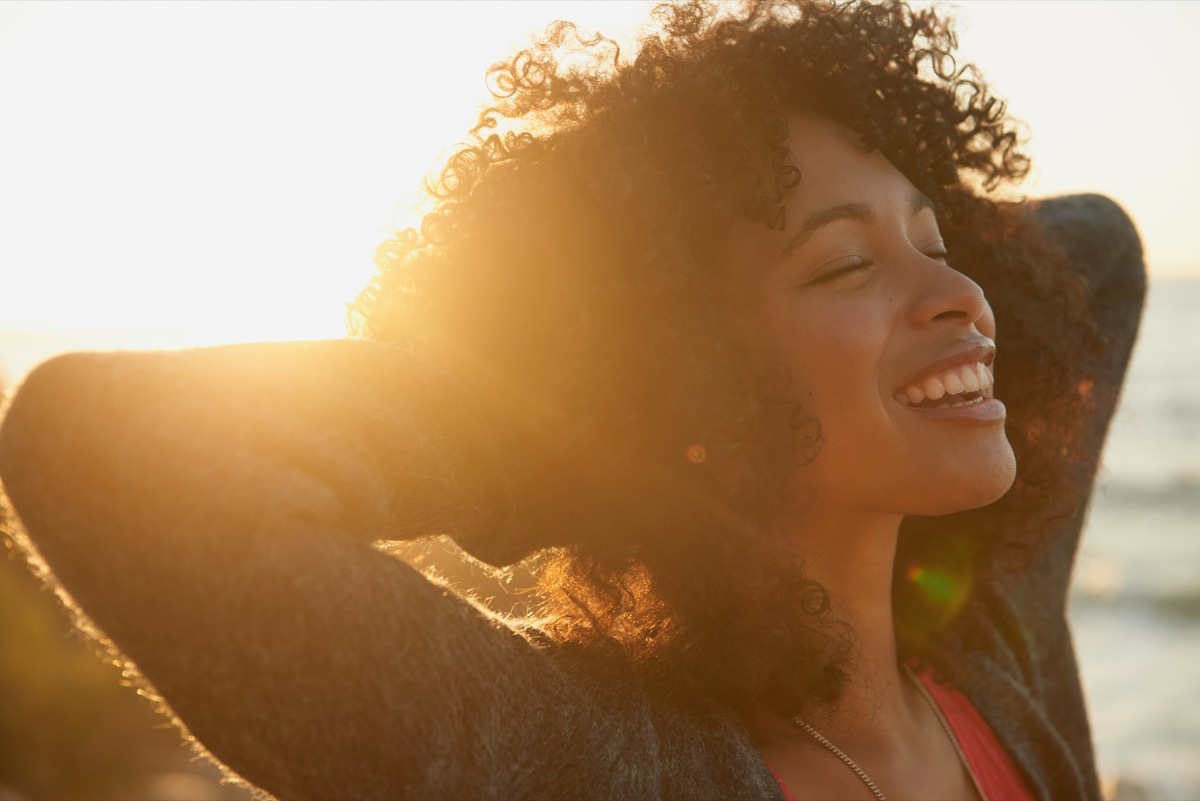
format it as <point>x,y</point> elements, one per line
<point>886,345</point>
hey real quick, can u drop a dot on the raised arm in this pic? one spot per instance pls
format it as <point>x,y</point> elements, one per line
<point>1103,245</point>
<point>212,511</point>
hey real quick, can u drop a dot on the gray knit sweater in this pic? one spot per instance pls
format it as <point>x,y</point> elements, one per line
<point>213,514</point>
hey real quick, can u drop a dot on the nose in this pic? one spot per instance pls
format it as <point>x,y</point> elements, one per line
<point>946,295</point>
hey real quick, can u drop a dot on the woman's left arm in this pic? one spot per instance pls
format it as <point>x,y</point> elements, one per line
<point>1103,246</point>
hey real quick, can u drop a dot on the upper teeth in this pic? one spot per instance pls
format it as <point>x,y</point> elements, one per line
<point>975,377</point>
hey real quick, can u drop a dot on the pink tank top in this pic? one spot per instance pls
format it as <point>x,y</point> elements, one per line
<point>988,760</point>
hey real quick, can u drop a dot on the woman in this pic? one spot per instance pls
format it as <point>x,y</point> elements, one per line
<point>708,332</point>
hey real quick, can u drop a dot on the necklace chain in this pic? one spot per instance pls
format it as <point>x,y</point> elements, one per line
<point>840,754</point>
<point>862,774</point>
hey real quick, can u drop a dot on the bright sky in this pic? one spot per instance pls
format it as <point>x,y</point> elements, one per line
<point>226,169</point>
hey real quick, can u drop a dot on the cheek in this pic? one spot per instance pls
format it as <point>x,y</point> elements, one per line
<point>835,349</point>
<point>846,390</point>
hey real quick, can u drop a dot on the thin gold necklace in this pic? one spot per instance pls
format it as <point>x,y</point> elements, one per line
<point>862,774</point>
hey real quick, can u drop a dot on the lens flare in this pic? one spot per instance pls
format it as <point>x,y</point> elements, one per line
<point>937,585</point>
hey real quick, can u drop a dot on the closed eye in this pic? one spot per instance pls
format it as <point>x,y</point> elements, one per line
<point>938,252</point>
<point>834,274</point>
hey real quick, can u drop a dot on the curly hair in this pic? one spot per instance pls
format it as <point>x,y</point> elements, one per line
<point>567,275</point>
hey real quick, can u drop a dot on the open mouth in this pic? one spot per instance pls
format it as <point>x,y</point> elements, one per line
<point>963,385</point>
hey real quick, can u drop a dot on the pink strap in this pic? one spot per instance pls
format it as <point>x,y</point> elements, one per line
<point>787,794</point>
<point>987,758</point>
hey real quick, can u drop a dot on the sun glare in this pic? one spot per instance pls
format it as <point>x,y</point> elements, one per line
<point>178,174</point>
<point>213,172</point>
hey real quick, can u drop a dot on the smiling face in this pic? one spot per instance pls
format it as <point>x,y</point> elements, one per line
<point>885,344</point>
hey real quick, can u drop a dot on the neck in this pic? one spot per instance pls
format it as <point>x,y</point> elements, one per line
<point>852,556</point>
<point>882,720</point>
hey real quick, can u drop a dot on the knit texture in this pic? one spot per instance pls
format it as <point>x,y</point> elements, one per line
<point>212,513</point>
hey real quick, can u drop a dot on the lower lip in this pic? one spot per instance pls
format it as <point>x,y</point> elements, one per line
<point>987,411</point>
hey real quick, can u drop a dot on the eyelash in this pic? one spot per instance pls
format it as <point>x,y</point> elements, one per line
<point>938,254</point>
<point>833,275</point>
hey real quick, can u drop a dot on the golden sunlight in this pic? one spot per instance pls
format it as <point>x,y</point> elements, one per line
<point>201,173</point>
<point>189,174</point>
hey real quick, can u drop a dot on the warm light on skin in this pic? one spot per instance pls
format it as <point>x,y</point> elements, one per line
<point>851,303</point>
<point>224,171</point>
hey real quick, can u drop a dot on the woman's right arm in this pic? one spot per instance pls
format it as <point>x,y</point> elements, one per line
<point>213,511</point>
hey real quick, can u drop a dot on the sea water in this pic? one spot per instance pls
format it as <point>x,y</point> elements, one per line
<point>1135,602</point>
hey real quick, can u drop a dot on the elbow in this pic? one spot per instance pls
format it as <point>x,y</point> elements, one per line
<point>29,427</point>
<point>45,433</point>
<point>1102,242</point>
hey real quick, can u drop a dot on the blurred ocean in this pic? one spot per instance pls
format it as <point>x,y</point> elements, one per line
<point>1135,604</point>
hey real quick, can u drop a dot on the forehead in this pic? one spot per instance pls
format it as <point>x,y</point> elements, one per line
<point>839,179</point>
<point>836,168</point>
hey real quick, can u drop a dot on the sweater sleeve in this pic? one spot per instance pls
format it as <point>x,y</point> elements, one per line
<point>212,512</point>
<point>1102,244</point>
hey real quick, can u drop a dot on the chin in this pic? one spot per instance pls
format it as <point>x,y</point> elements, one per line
<point>960,490</point>
<point>984,495</point>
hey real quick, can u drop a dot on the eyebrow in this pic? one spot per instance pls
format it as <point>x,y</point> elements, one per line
<point>845,211</point>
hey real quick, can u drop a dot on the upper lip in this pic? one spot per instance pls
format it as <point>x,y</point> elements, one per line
<point>979,349</point>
